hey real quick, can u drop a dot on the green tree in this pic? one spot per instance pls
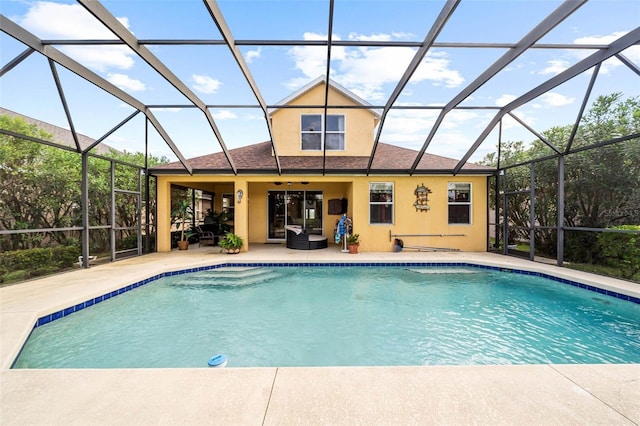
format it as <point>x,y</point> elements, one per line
<point>602,185</point>
<point>34,194</point>
<point>41,189</point>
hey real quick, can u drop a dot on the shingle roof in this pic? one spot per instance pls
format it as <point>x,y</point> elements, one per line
<point>258,158</point>
<point>60,136</point>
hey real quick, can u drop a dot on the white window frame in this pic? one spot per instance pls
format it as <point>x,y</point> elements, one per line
<point>384,203</point>
<point>322,133</point>
<point>459,202</point>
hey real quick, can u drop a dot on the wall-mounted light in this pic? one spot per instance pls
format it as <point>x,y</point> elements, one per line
<point>239,195</point>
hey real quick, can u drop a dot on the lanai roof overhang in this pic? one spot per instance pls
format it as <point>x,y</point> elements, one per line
<point>603,52</point>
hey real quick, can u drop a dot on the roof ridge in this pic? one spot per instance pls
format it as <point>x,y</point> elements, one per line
<point>332,83</point>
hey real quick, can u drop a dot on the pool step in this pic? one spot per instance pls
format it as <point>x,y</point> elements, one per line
<point>231,272</point>
<point>228,277</point>
<point>441,270</point>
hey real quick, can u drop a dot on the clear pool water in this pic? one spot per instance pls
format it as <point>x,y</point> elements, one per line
<point>342,316</point>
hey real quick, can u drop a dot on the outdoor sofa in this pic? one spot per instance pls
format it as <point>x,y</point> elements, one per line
<point>299,239</point>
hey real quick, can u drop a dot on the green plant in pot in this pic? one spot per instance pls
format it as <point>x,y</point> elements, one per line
<point>353,241</point>
<point>179,217</point>
<point>231,242</point>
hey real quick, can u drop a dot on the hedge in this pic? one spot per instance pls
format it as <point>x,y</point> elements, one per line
<point>622,250</point>
<point>23,264</point>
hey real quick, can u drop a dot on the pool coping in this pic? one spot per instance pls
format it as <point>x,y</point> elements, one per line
<point>320,395</point>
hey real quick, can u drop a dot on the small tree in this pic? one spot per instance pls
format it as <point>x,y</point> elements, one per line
<point>183,213</point>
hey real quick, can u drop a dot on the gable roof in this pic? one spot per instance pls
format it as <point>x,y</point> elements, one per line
<point>321,80</point>
<point>258,159</point>
<point>60,135</point>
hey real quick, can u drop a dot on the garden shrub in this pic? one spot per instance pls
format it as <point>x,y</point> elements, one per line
<point>15,276</point>
<point>128,243</point>
<point>23,264</point>
<point>622,251</point>
<point>65,257</point>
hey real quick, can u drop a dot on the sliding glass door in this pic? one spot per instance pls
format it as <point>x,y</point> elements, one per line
<point>303,208</point>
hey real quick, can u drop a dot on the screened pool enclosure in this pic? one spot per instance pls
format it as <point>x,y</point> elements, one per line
<point>158,98</point>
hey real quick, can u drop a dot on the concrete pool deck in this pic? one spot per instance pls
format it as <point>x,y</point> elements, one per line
<point>515,394</point>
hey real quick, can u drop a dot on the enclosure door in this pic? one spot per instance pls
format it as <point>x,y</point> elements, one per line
<point>303,208</point>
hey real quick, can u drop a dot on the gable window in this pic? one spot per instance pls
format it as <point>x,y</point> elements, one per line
<point>381,203</point>
<point>311,132</point>
<point>459,195</point>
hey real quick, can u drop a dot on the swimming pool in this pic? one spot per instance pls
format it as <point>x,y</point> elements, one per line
<point>302,315</point>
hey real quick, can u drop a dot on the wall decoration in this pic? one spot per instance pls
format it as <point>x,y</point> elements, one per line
<point>422,198</point>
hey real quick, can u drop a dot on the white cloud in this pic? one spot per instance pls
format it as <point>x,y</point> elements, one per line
<point>205,84</point>
<point>49,20</point>
<point>224,115</point>
<point>555,66</point>
<point>101,58</point>
<point>633,52</point>
<point>436,67</point>
<point>259,117</point>
<point>504,99</point>
<point>253,54</point>
<point>310,60</point>
<point>365,70</point>
<point>410,128</point>
<point>372,37</point>
<point>296,83</point>
<point>509,122</point>
<point>598,39</point>
<point>556,99</point>
<point>126,83</point>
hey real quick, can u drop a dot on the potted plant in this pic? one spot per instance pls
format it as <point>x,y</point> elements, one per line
<point>231,242</point>
<point>182,214</point>
<point>353,241</point>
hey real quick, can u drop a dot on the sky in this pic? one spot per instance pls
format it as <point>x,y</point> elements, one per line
<point>372,73</point>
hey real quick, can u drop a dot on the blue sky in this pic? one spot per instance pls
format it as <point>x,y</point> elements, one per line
<point>371,72</point>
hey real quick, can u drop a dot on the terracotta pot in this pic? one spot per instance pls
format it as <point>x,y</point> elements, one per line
<point>183,245</point>
<point>353,248</point>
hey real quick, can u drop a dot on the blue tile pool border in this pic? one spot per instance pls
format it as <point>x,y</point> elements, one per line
<point>80,306</point>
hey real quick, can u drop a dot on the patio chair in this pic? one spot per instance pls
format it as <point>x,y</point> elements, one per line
<point>205,237</point>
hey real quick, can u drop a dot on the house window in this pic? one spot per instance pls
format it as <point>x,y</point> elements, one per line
<point>459,203</point>
<point>311,132</point>
<point>380,203</point>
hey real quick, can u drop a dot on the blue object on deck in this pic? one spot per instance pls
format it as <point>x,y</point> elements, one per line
<point>219,360</point>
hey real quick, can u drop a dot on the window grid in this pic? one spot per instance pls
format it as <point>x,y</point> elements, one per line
<point>459,203</point>
<point>381,203</point>
<point>311,132</point>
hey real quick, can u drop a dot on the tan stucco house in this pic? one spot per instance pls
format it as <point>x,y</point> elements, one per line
<point>325,172</point>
